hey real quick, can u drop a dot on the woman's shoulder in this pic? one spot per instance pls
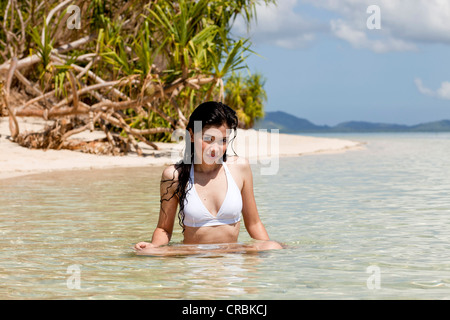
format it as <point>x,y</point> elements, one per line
<point>171,172</point>
<point>240,170</point>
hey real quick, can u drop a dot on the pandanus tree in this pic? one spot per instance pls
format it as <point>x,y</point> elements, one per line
<point>247,96</point>
<point>134,69</point>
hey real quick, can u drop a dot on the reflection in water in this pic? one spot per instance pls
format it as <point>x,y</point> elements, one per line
<point>386,206</point>
<point>216,277</point>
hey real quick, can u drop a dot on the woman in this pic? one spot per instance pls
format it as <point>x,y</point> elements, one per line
<point>211,188</point>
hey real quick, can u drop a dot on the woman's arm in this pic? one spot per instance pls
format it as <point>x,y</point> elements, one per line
<point>252,222</point>
<point>168,208</point>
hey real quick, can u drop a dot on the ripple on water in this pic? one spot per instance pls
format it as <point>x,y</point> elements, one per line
<point>385,206</point>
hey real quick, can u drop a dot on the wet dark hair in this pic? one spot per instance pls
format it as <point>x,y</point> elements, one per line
<point>210,114</point>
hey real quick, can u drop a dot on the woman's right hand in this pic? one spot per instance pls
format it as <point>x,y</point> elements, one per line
<point>143,245</point>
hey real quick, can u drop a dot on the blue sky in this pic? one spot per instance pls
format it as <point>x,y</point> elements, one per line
<point>322,62</point>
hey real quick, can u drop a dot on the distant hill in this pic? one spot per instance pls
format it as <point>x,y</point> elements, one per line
<point>442,125</point>
<point>288,123</point>
<point>361,126</point>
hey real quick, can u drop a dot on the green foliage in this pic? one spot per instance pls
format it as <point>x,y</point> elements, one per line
<point>247,97</point>
<point>60,77</point>
<point>152,45</point>
<point>43,48</point>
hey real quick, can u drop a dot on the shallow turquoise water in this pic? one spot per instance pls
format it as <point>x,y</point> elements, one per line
<point>367,224</point>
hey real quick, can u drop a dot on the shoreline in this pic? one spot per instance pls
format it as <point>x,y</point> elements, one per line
<point>255,145</point>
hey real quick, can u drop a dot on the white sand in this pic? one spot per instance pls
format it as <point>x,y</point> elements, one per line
<point>255,145</point>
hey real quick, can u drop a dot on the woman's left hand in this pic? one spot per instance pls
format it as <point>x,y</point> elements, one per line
<point>143,245</point>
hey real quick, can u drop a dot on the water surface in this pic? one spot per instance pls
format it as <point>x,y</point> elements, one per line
<point>385,208</point>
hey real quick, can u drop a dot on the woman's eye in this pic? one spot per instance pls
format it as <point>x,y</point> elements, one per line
<point>212,139</point>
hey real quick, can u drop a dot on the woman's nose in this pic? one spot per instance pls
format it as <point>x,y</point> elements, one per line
<point>214,146</point>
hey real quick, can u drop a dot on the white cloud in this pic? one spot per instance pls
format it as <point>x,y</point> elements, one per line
<point>423,21</point>
<point>360,40</point>
<point>422,88</point>
<point>405,24</point>
<point>281,26</point>
<point>442,92</point>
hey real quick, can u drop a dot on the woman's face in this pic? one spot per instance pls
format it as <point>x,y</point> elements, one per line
<point>211,144</point>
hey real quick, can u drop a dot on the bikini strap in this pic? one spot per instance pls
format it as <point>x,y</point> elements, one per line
<point>225,166</point>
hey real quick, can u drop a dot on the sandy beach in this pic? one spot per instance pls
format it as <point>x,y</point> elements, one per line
<point>255,145</point>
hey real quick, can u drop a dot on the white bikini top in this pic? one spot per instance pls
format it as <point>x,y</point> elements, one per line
<point>196,214</point>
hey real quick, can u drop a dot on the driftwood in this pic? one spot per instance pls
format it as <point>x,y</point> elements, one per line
<point>53,138</point>
<point>106,114</point>
<point>101,88</point>
<point>108,110</point>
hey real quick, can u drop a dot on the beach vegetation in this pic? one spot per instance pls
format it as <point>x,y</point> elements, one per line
<point>133,69</point>
<point>247,96</point>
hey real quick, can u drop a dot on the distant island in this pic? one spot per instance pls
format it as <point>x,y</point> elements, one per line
<point>288,123</point>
